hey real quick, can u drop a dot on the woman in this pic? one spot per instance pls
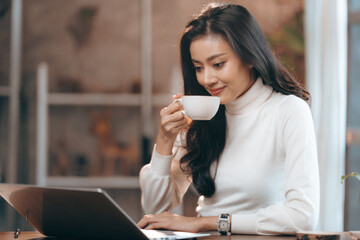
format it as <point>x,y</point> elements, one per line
<point>255,163</point>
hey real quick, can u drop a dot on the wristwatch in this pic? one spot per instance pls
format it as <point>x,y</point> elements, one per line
<point>223,224</point>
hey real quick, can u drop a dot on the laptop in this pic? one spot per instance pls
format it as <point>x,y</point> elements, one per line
<point>88,213</point>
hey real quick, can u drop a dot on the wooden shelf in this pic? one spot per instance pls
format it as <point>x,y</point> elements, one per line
<point>94,99</point>
<point>123,99</point>
<point>128,182</point>
<point>4,91</point>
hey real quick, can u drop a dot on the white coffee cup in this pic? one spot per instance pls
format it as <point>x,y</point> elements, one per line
<point>199,107</point>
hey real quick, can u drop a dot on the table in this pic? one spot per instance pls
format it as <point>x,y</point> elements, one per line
<point>33,235</point>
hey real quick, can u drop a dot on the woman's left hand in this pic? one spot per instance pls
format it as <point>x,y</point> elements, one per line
<point>171,221</point>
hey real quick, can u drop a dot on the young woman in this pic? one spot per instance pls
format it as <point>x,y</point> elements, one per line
<point>255,163</point>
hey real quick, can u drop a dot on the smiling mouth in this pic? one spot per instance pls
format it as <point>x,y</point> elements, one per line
<point>216,91</point>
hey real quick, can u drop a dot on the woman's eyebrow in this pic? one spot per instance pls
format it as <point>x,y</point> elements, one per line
<point>209,58</point>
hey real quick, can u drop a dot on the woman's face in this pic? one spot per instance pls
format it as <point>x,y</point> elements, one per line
<point>218,69</point>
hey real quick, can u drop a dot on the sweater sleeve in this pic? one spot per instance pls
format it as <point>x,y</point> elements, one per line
<point>162,182</point>
<point>300,208</point>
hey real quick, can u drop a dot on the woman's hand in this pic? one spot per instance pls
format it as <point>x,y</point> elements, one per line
<point>175,222</point>
<point>171,123</point>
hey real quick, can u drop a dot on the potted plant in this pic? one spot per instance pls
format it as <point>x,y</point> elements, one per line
<point>353,174</point>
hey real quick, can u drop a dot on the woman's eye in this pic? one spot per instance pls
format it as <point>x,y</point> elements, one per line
<point>197,68</point>
<point>218,65</point>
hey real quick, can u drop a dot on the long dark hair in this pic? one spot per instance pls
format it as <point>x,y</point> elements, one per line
<point>206,139</point>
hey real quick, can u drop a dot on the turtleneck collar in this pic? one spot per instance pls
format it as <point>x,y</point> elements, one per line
<point>253,98</point>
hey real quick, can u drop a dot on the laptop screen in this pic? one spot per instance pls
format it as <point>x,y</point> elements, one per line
<point>77,213</point>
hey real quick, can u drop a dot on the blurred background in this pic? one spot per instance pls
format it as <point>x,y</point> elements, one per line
<point>82,83</point>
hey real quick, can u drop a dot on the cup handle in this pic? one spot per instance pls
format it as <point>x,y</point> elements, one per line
<point>179,100</point>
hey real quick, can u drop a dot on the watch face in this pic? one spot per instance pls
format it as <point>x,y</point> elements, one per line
<point>224,225</point>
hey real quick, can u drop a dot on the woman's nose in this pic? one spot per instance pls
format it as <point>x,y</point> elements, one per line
<point>209,77</point>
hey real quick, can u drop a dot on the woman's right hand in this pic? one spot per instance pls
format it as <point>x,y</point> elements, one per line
<point>172,121</point>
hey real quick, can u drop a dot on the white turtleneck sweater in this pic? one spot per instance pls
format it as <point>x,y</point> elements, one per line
<point>267,176</point>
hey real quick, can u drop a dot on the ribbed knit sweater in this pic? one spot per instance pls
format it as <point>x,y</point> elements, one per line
<point>267,176</point>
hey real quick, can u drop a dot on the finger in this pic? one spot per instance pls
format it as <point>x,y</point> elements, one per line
<point>175,127</point>
<point>181,125</point>
<point>145,220</point>
<point>157,225</point>
<point>174,97</point>
<point>146,223</point>
<point>142,223</point>
<point>173,107</point>
<point>173,118</point>
<point>177,96</point>
<point>176,118</point>
<point>181,119</point>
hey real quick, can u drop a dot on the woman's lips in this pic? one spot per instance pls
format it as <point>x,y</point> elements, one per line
<point>216,91</point>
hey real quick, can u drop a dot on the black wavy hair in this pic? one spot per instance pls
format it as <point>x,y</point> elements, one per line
<point>235,24</point>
